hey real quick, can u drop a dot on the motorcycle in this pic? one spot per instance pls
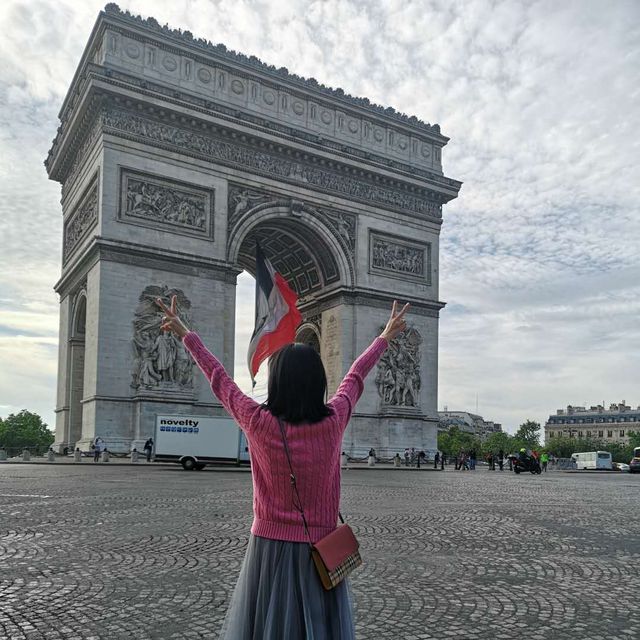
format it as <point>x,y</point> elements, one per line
<point>530,464</point>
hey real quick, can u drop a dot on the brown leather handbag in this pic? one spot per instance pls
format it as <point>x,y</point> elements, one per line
<point>337,554</point>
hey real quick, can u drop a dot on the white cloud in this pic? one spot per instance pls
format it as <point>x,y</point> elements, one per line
<point>539,256</point>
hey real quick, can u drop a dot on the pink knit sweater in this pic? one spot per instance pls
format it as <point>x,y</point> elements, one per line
<point>314,448</point>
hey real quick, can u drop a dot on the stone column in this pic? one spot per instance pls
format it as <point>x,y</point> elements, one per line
<point>62,397</point>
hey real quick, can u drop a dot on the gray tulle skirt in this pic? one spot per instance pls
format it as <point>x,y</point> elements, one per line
<point>279,596</point>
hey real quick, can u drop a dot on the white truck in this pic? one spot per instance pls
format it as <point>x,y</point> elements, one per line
<point>195,441</point>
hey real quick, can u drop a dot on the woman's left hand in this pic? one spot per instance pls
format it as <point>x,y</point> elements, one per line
<point>170,320</point>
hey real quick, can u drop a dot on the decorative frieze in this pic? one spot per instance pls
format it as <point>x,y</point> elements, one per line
<point>398,377</point>
<point>270,163</point>
<point>166,204</point>
<point>83,218</point>
<point>389,255</point>
<point>160,360</point>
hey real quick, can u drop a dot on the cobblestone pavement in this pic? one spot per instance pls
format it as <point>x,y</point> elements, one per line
<point>121,552</point>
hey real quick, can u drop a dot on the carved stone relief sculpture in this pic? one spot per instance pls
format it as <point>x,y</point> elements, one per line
<point>83,218</point>
<point>163,202</point>
<point>241,200</point>
<point>344,224</point>
<point>160,360</point>
<point>398,376</point>
<point>399,258</point>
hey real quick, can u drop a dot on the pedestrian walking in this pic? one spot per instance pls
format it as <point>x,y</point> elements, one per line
<point>436,460</point>
<point>294,433</point>
<point>371,458</point>
<point>77,455</point>
<point>397,461</point>
<point>344,461</point>
<point>406,457</point>
<point>501,459</point>
<point>544,461</point>
<point>148,448</point>
<point>97,449</point>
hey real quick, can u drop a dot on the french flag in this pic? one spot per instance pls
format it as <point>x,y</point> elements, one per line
<point>277,316</point>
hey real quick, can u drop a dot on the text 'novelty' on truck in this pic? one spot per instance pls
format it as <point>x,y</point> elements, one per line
<point>195,441</point>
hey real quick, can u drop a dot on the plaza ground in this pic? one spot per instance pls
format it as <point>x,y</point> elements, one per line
<point>111,552</point>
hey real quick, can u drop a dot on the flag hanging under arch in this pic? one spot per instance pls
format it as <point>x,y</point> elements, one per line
<point>277,316</point>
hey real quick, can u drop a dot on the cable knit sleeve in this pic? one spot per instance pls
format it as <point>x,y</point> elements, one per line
<point>238,405</point>
<point>352,385</point>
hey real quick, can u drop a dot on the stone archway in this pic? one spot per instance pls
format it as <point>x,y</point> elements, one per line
<point>300,241</point>
<point>309,252</point>
<point>308,334</point>
<point>76,357</point>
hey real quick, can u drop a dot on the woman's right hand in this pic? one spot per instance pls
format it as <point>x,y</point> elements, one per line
<point>397,324</point>
<point>170,320</point>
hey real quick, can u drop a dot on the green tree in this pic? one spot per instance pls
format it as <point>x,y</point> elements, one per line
<point>634,439</point>
<point>24,429</point>
<point>563,447</point>
<point>497,441</point>
<point>528,435</point>
<point>453,441</point>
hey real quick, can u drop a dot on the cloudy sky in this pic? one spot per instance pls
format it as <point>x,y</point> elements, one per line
<point>540,255</point>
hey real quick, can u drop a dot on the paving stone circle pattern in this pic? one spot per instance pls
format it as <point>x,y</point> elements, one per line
<point>97,552</point>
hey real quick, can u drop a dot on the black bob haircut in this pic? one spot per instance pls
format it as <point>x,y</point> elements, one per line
<point>297,388</point>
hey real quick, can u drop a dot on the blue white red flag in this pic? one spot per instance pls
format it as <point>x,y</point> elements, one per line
<point>277,316</point>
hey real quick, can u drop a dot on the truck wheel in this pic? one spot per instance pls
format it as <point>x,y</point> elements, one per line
<point>200,466</point>
<point>188,464</point>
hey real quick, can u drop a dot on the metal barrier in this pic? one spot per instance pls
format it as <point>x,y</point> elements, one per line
<point>563,464</point>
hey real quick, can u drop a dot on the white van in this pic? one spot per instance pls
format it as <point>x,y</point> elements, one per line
<point>194,441</point>
<point>593,460</point>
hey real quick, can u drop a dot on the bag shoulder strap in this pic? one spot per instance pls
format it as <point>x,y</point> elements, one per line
<point>297,503</point>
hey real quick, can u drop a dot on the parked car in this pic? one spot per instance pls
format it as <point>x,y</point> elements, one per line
<point>634,465</point>
<point>621,466</point>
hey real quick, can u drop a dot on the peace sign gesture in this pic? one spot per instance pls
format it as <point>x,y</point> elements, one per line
<point>397,324</point>
<point>170,319</point>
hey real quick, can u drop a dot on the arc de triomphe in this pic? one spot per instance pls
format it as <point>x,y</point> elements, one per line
<point>174,155</point>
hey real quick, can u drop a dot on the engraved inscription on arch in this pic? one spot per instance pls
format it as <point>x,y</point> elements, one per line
<point>165,204</point>
<point>399,257</point>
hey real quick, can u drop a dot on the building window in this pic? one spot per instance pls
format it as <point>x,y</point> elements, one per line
<point>600,434</point>
<point>609,434</point>
<point>551,435</point>
<point>588,434</point>
<point>622,433</point>
<point>579,434</point>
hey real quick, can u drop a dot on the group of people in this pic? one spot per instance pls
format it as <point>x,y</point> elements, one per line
<point>542,458</point>
<point>100,451</point>
<point>467,460</point>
